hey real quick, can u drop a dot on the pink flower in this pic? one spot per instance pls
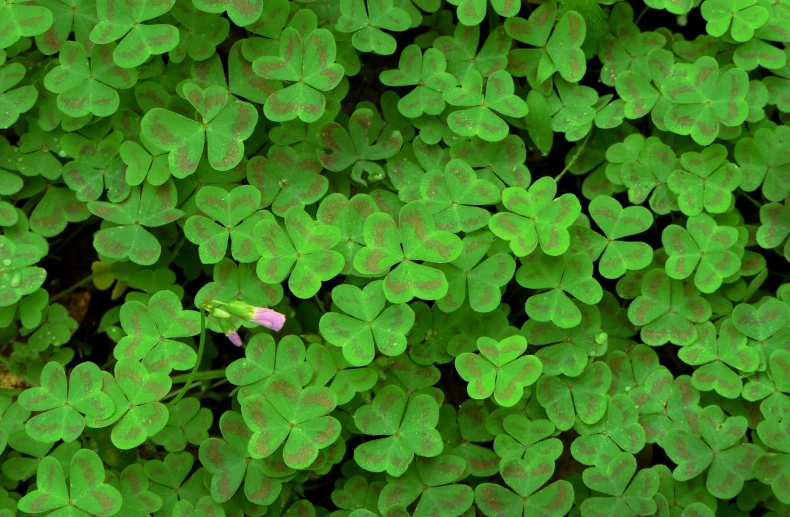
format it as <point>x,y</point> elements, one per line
<point>268,318</point>
<point>234,337</point>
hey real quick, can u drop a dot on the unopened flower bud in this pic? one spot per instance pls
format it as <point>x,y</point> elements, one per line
<point>262,316</point>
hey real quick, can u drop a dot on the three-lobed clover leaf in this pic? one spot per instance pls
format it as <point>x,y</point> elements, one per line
<point>87,86</point>
<point>707,182</point>
<point>304,254</point>
<point>231,216</point>
<point>667,310</point>
<point>286,178</point>
<point>349,216</point>
<point>536,217</point>
<point>570,273</point>
<point>527,440</point>
<point>124,19</point>
<point>366,321</point>
<point>564,397</point>
<point>455,197</point>
<point>480,117</point>
<point>61,405</point>
<point>227,122</point>
<point>286,413</point>
<point>417,239</point>
<point>775,227</point>
<point>432,481</point>
<point>309,63</point>
<point>557,50</point>
<point>483,277</point>
<point>627,53</point>
<point>500,369</point>
<point>21,20</point>
<point>528,495</point>
<point>426,72</point>
<point>187,423</point>
<point>263,358</point>
<point>629,494</point>
<point>86,492</point>
<point>409,430</point>
<point>615,257</point>
<point>367,24</point>
<point>738,17</point>
<point>718,447</point>
<point>149,206</point>
<point>358,146</point>
<point>764,160</point>
<point>19,100</point>
<point>717,357</point>
<point>620,430</point>
<point>228,461</point>
<point>18,274</point>
<point>703,99</point>
<point>152,331</point>
<point>702,246</point>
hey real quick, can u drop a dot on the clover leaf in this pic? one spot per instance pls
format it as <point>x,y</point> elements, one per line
<point>564,397</point>
<point>557,51</point>
<point>500,369</point>
<point>123,19</point>
<point>570,274</point>
<point>146,206</point>
<point>481,119</point>
<point>667,309</point>
<point>718,357</point>
<point>199,33</point>
<point>526,497</point>
<point>366,321</point>
<point>305,252</point>
<point>536,217</point>
<point>227,122</point>
<point>719,447</point>
<point>775,227</point>
<point>348,215</point>
<point>409,430</point>
<point>308,62</point>
<point>567,351</point>
<point>527,440</point>
<point>629,494</point>
<point>20,100</point>
<point>432,481</point>
<point>187,423</point>
<point>286,413</point>
<point>738,17</point>
<point>425,71</point>
<point>619,430</point>
<point>472,271</point>
<point>87,492</point>
<point>763,161</point>
<point>616,223</point>
<point>62,408</point>
<point>18,276</point>
<point>287,178</point>
<point>626,52</point>
<point>237,214</point>
<point>366,27</point>
<point>708,183</point>
<point>702,99</point>
<point>704,246</point>
<point>355,148</point>
<point>229,463</point>
<point>455,195</point>
<point>417,239</point>
<point>87,86</point>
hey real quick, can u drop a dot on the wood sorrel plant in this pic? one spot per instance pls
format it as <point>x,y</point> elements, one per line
<point>392,258</point>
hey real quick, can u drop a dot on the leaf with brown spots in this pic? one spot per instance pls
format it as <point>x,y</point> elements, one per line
<point>286,413</point>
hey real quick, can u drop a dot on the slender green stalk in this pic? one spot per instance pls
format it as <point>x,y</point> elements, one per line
<point>79,284</point>
<point>208,375</point>
<point>575,157</point>
<point>201,346</point>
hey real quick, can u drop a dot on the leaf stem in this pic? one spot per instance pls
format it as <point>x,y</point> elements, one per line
<point>576,157</point>
<point>79,284</point>
<point>201,346</point>
<point>750,198</point>
<point>208,375</point>
<point>639,18</point>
